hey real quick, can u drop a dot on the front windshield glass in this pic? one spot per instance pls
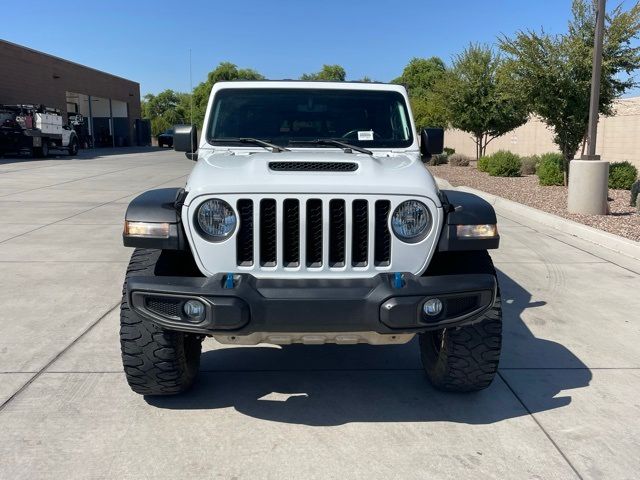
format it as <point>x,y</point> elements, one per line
<point>366,118</point>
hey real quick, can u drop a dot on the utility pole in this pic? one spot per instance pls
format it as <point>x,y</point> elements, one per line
<point>589,176</point>
<point>595,80</point>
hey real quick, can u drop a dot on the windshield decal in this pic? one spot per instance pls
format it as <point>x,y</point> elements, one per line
<point>365,136</point>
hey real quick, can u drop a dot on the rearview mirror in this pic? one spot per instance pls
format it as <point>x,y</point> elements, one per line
<point>431,141</point>
<point>185,139</point>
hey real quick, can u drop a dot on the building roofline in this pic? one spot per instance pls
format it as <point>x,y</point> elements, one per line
<point>67,61</point>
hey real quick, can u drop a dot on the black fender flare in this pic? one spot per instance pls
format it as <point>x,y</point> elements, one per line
<point>161,205</point>
<point>463,208</point>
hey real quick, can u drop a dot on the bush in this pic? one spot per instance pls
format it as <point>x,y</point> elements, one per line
<point>439,159</point>
<point>635,190</point>
<point>529,165</point>
<point>449,151</point>
<point>550,169</point>
<point>504,164</point>
<point>622,175</point>
<point>459,160</point>
<point>483,164</point>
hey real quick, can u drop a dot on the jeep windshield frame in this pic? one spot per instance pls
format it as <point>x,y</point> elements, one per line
<point>289,117</point>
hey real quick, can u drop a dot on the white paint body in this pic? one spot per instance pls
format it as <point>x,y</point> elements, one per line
<point>231,173</point>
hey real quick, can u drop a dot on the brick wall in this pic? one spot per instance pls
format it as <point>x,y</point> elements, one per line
<point>28,76</point>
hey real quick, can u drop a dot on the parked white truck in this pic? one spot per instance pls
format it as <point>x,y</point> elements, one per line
<point>35,129</point>
<point>309,218</point>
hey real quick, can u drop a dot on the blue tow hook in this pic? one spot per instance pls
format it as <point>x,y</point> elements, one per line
<point>398,280</point>
<point>228,281</point>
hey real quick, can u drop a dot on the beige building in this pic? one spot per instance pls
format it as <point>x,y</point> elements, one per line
<point>618,136</point>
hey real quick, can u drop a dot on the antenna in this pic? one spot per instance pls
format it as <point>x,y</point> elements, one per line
<point>191,101</point>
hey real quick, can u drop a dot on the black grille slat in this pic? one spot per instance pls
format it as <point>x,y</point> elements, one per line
<point>337,233</point>
<point>268,233</point>
<point>313,166</point>
<point>360,238</point>
<point>244,251</point>
<point>314,233</point>
<point>382,239</point>
<point>291,233</point>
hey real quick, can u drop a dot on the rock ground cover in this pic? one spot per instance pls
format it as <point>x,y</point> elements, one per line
<point>623,220</point>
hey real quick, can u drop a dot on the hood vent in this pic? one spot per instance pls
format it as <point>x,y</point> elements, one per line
<point>313,166</point>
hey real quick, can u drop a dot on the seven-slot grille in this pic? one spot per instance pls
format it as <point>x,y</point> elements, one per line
<point>313,233</point>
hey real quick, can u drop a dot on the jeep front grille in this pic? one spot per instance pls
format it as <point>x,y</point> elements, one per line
<point>324,233</point>
<point>319,235</point>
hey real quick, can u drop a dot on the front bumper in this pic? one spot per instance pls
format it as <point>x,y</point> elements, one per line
<point>377,304</point>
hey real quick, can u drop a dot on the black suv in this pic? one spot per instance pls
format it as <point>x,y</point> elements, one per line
<point>166,138</point>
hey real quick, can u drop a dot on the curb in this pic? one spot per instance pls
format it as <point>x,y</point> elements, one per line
<point>610,241</point>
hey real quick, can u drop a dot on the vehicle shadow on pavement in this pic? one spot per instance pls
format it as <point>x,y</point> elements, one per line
<point>83,154</point>
<point>333,385</point>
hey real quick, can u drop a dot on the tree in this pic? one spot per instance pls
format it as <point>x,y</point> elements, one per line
<point>554,71</point>
<point>420,74</point>
<point>225,71</point>
<point>423,78</point>
<point>329,73</point>
<point>482,97</point>
<point>165,109</point>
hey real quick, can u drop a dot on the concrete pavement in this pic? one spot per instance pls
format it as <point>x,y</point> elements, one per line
<point>564,405</point>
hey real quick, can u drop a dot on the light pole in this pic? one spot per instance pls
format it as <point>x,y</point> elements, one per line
<point>589,176</point>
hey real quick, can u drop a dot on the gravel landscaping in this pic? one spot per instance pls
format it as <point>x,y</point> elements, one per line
<point>623,220</point>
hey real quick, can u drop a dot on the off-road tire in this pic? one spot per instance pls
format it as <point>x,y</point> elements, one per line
<point>73,147</point>
<point>41,152</point>
<point>156,361</point>
<point>465,359</point>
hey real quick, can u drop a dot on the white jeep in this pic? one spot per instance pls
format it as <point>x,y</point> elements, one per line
<point>309,218</point>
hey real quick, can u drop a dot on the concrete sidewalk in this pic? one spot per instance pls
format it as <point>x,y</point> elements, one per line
<point>564,405</point>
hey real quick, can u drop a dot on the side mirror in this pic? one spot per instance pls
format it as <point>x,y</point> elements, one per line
<point>431,141</point>
<point>185,139</point>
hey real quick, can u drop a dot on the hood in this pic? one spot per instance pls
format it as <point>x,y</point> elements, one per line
<point>244,172</point>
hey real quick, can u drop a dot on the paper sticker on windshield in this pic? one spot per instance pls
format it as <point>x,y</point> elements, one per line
<point>363,136</point>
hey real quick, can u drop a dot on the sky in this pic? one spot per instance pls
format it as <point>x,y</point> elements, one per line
<point>149,41</point>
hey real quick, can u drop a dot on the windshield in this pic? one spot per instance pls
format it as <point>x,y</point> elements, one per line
<point>369,119</point>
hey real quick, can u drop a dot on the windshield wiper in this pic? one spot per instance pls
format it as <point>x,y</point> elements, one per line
<point>336,143</point>
<point>255,141</point>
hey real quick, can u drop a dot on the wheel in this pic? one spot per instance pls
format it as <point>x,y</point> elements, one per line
<point>73,147</point>
<point>465,359</point>
<point>41,152</point>
<point>156,361</point>
<point>160,144</point>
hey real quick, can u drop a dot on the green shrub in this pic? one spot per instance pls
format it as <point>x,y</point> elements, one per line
<point>529,165</point>
<point>439,159</point>
<point>635,190</point>
<point>504,164</point>
<point>622,175</point>
<point>483,164</point>
<point>459,160</point>
<point>449,151</point>
<point>550,169</point>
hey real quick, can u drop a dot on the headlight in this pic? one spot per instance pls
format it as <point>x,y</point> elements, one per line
<point>216,219</point>
<point>411,221</point>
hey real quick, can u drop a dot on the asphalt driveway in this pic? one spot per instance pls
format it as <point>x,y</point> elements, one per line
<point>565,405</point>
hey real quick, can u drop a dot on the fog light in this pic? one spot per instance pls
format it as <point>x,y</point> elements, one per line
<point>194,310</point>
<point>432,307</point>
